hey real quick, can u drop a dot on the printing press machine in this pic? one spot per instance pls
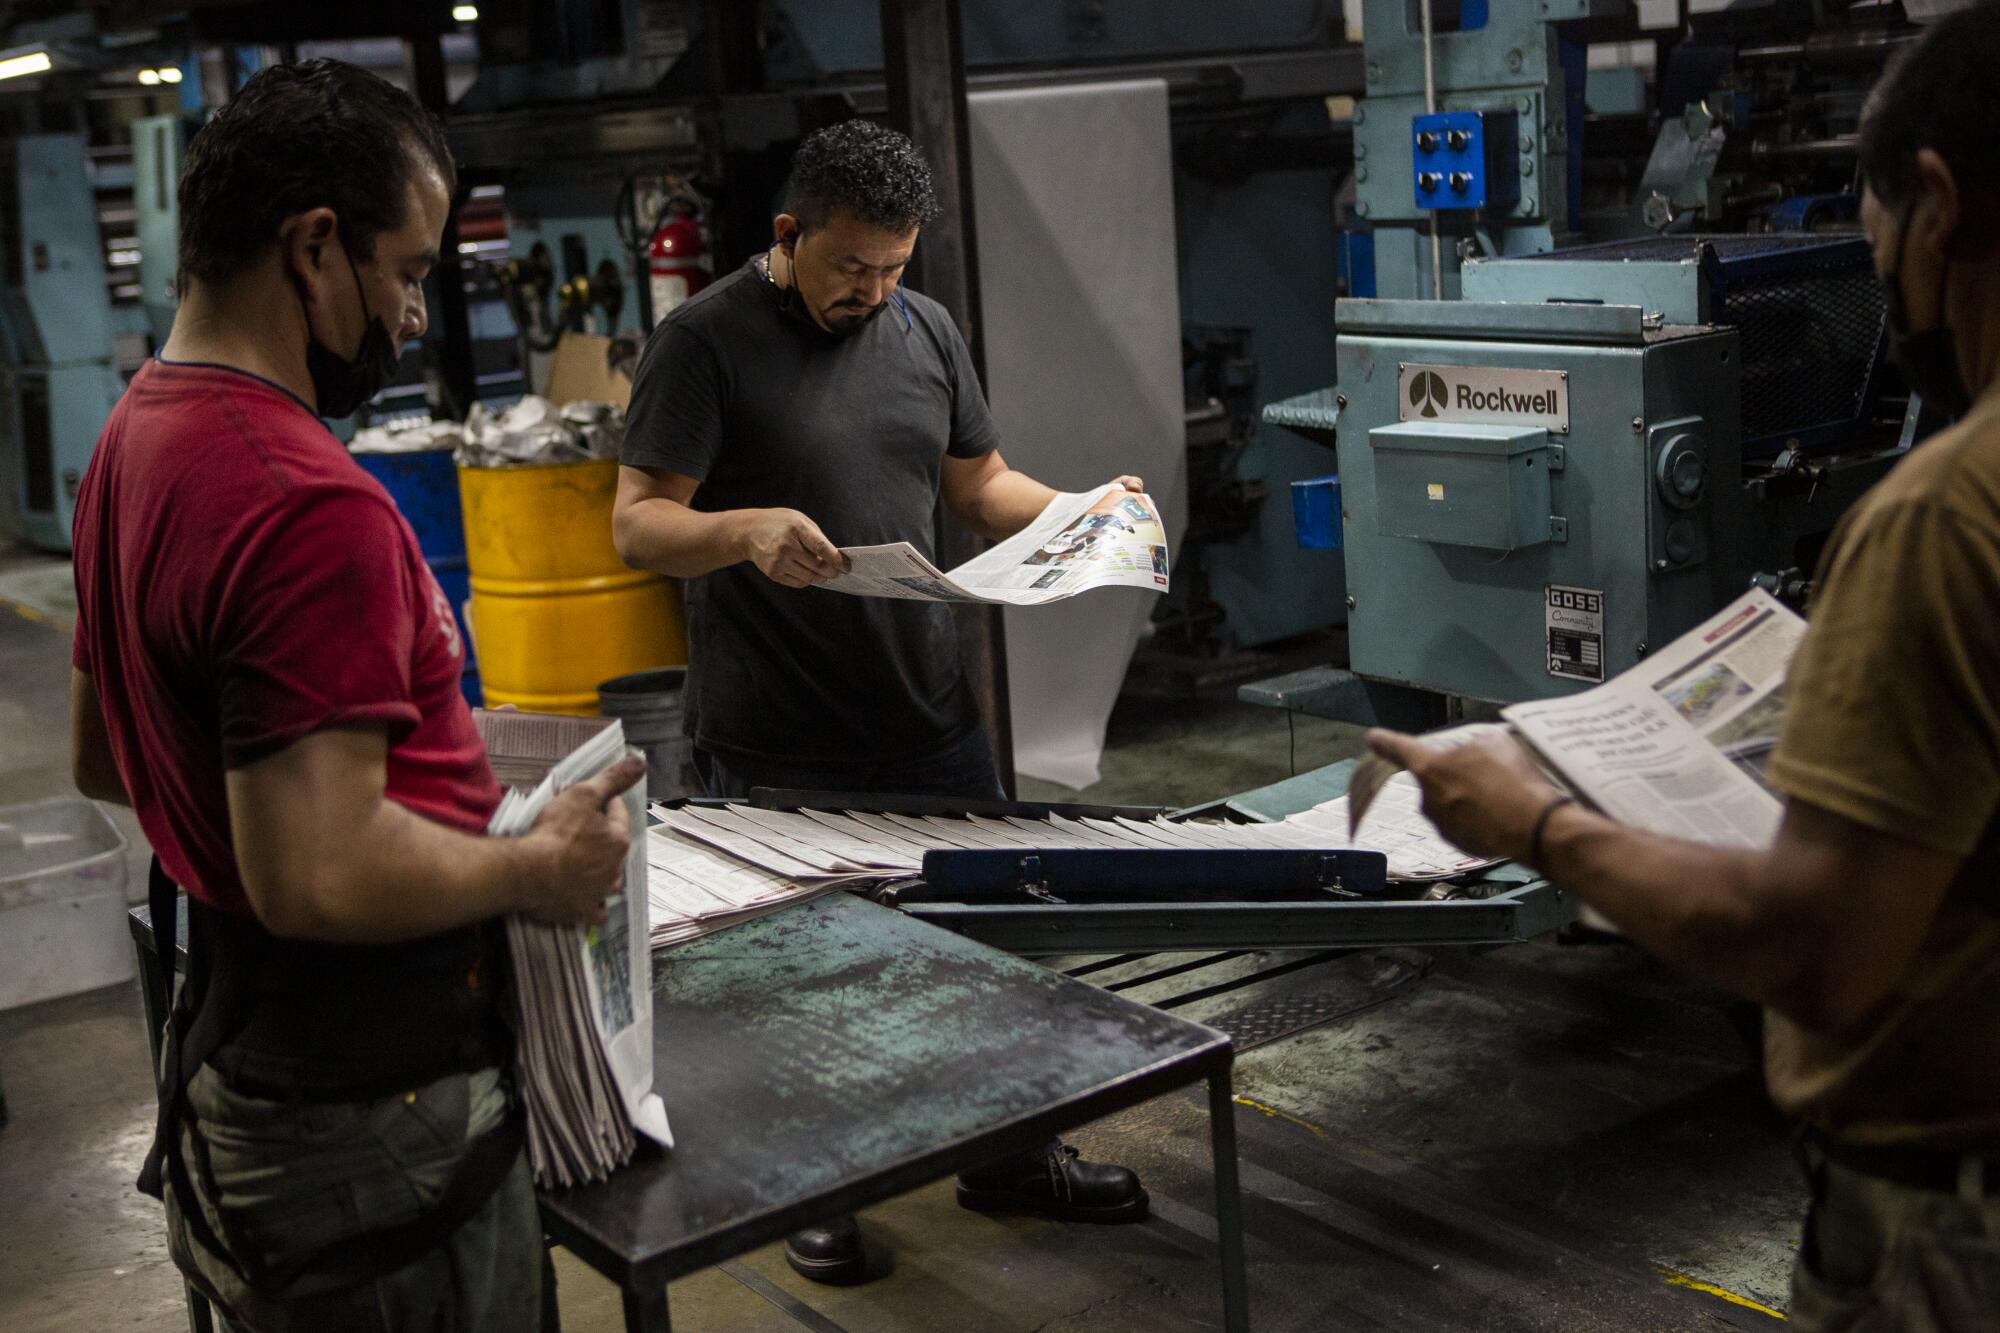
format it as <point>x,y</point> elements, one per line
<point>1587,403</point>
<point>1590,453</point>
<point>1572,414</point>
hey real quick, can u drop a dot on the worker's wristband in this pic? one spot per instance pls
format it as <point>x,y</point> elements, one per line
<point>1534,857</point>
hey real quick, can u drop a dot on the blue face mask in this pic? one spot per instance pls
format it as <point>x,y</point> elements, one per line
<point>1928,359</point>
<point>341,386</point>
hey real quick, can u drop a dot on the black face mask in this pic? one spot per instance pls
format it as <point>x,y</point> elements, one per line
<point>341,386</point>
<point>793,304</point>
<point>1928,360</point>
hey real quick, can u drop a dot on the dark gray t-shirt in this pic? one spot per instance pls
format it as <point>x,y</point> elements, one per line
<point>740,390</point>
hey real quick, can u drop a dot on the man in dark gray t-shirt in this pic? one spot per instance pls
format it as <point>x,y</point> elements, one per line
<point>816,439</point>
<point>801,404</point>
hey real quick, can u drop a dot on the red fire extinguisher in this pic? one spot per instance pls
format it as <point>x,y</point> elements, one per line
<point>677,259</point>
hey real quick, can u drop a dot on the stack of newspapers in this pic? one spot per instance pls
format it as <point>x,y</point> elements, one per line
<point>583,997</point>
<point>713,866</point>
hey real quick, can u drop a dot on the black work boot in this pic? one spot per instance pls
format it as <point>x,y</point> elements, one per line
<point>1053,1181</point>
<point>830,1252</point>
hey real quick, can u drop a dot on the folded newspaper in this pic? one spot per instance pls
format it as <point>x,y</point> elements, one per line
<point>583,996</point>
<point>1109,537</point>
<point>1677,745</point>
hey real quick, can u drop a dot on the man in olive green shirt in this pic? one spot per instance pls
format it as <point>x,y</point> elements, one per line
<point>1871,928</point>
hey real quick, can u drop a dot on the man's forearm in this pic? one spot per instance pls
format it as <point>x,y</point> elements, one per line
<point>1694,906</point>
<point>1007,503</point>
<point>672,539</point>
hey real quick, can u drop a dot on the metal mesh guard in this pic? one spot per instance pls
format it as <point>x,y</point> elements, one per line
<point>1808,311</point>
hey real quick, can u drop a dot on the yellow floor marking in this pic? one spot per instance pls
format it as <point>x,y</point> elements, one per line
<point>27,612</point>
<point>1276,1114</point>
<point>1676,1278</point>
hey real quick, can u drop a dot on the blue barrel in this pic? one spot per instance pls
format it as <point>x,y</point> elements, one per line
<point>424,485</point>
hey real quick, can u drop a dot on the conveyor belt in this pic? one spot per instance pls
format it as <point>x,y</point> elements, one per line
<point>1317,987</point>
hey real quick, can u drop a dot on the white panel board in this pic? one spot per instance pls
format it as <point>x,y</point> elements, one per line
<point>1073,188</point>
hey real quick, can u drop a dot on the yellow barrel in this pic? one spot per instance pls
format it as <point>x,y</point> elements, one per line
<point>554,610</point>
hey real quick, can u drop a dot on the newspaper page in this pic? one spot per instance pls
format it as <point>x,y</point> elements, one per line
<point>1678,744</point>
<point>1109,537</point>
<point>585,993</point>
<point>1383,812</point>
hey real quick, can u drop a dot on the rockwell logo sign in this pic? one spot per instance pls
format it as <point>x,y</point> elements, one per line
<point>1428,393</point>
<point>1498,396</point>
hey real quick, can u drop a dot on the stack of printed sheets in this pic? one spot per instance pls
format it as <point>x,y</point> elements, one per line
<point>713,866</point>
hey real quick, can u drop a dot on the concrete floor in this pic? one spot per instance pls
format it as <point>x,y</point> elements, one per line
<point>1544,1136</point>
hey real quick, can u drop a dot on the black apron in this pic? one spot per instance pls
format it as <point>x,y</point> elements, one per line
<point>297,1020</point>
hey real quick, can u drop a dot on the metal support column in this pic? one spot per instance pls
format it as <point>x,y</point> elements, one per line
<point>923,57</point>
<point>453,338</point>
<point>745,179</point>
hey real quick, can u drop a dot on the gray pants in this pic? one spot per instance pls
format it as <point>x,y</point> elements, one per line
<point>1879,1256</point>
<point>291,1178</point>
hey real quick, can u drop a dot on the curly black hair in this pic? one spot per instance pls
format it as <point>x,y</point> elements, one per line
<point>1940,94</point>
<point>865,170</point>
<point>319,133</point>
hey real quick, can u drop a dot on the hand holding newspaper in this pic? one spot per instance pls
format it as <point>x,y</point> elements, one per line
<point>1109,537</point>
<point>583,996</point>
<point>1675,746</point>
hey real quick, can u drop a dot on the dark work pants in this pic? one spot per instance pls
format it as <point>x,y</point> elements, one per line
<point>1881,1257</point>
<point>963,768</point>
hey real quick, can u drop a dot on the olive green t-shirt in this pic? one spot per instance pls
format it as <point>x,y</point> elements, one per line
<point>1892,720</point>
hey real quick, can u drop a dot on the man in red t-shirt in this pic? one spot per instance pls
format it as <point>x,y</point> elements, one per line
<point>267,672</point>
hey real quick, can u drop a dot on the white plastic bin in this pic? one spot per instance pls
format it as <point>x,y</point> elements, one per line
<point>62,901</point>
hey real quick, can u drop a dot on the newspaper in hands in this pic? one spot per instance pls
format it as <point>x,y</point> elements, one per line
<point>1109,537</point>
<point>583,995</point>
<point>1677,745</point>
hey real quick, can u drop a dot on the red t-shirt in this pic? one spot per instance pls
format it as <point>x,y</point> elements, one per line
<point>241,583</point>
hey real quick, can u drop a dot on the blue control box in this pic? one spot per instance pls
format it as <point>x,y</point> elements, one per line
<point>1465,159</point>
<point>1316,513</point>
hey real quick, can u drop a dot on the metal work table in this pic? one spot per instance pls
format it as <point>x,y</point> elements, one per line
<point>837,1054</point>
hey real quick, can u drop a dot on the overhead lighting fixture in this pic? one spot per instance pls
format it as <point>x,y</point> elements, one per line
<point>170,74</point>
<point>28,62</point>
<point>465,13</point>
<point>149,77</point>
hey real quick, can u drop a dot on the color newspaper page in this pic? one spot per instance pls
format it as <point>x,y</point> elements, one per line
<point>1109,537</point>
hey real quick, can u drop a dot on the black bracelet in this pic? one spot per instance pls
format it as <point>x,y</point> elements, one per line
<point>1534,857</point>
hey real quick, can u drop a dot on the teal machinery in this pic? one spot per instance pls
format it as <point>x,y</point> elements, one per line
<point>1580,452</point>
<point>58,369</point>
